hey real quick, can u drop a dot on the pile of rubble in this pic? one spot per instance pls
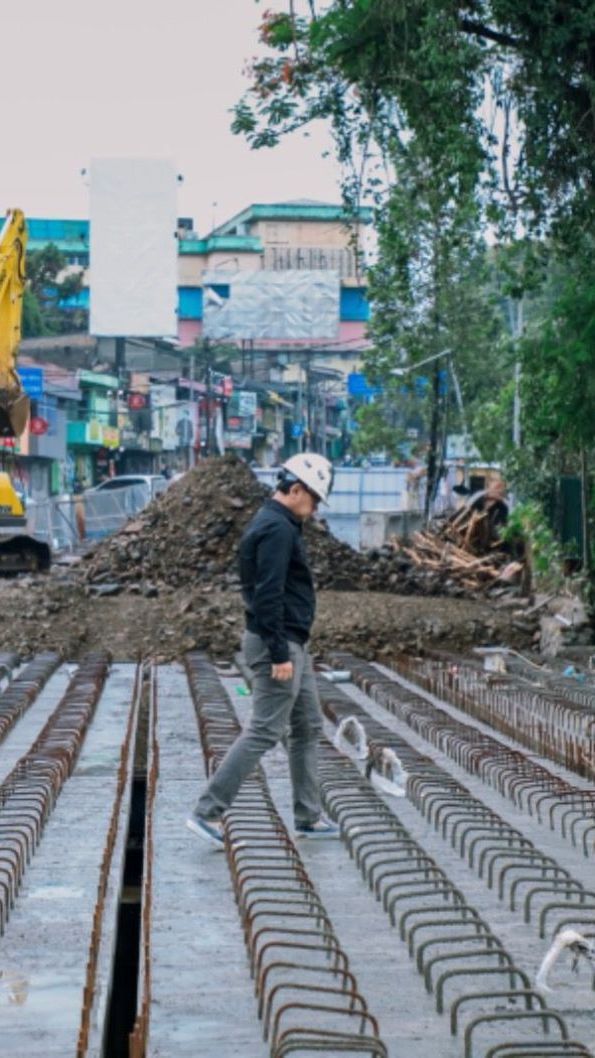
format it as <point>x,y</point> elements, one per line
<point>167,583</point>
<point>190,536</point>
<point>464,551</point>
<point>451,564</point>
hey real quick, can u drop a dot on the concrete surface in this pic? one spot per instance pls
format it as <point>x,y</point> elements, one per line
<point>46,942</point>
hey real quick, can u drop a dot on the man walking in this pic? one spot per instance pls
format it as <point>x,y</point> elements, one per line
<point>279,599</point>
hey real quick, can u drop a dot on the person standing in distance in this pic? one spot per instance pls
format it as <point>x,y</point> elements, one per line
<point>279,599</point>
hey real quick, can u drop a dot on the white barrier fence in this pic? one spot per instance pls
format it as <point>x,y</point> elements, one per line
<point>66,522</point>
<point>368,505</point>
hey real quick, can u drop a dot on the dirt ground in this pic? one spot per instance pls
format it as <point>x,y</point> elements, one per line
<point>167,582</point>
<point>58,613</point>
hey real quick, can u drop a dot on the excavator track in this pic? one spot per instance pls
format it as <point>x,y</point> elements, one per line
<point>23,554</point>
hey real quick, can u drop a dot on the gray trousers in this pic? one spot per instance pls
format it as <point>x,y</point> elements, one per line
<point>280,708</point>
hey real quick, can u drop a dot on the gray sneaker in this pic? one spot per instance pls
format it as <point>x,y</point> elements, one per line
<point>210,830</point>
<point>322,828</point>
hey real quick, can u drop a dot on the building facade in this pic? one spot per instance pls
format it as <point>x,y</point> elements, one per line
<point>145,414</point>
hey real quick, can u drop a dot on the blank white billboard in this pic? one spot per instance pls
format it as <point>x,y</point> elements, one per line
<point>133,247</point>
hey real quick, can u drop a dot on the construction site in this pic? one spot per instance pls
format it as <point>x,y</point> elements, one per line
<point>455,912</point>
<point>297,511</point>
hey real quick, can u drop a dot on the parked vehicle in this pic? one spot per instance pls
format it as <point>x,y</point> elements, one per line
<point>153,484</point>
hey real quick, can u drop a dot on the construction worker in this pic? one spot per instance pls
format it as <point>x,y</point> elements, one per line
<point>279,601</point>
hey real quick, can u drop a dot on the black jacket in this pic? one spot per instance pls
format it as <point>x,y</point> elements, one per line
<point>276,580</point>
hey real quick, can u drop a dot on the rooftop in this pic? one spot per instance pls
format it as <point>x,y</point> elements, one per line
<point>296,209</point>
<point>72,236</point>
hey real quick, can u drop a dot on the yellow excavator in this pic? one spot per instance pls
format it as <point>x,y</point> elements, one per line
<point>19,552</point>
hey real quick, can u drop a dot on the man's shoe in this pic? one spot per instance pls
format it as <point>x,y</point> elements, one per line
<point>210,830</point>
<point>322,828</point>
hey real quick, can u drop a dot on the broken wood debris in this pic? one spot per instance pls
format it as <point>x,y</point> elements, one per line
<point>450,551</point>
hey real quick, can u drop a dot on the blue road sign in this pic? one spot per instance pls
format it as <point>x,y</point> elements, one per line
<point>32,381</point>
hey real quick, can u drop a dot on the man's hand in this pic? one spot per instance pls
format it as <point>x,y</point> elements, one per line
<point>284,671</point>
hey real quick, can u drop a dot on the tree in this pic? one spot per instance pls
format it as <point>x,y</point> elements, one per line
<point>49,285</point>
<point>378,67</point>
<point>558,388</point>
<point>447,116</point>
<point>32,323</point>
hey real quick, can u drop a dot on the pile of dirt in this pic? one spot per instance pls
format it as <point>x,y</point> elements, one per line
<point>167,583</point>
<point>191,533</point>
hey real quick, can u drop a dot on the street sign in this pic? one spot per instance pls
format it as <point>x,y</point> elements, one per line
<point>32,381</point>
<point>297,429</point>
<point>358,386</point>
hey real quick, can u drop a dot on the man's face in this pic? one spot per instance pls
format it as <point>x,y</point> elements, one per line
<point>304,503</point>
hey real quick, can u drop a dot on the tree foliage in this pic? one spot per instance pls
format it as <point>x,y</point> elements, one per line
<point>49,285</point>
<point>558,357</point>
<point>450,117</point>
<point>476,84</point>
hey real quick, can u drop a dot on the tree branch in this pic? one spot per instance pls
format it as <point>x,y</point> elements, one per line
<point>478,29</point>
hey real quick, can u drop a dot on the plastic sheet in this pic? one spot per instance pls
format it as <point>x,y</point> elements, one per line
<point>280,305</point>
<point>386,772</point>
<point>350,739</point>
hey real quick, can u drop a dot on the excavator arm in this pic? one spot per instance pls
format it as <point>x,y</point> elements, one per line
<point>19,552</point>
<point>14,404</point>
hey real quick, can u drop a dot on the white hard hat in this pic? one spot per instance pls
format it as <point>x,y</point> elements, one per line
<point>313,471</point>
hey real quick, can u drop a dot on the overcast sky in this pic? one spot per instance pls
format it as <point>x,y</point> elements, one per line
<point>153,78</point>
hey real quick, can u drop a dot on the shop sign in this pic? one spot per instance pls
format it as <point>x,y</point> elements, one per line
<point>247,403</point>
<point>110,437</point>
<point>38,426</point>
<point>164,415</point>
<point>238,440</point>
<point>98,434</point>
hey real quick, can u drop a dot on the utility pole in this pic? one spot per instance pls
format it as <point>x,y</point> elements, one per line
<point>309,401</point>
<point>300,408</point>
<point>120,356</point>
<point>431,479</point>
<point>517,326</point>
<point>207,352</point>
<point>194,418</point>
<point>586,543</point>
